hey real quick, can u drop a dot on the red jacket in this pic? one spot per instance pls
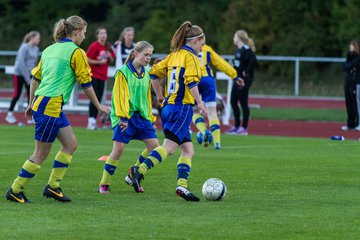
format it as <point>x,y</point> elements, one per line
<point>96,51</point>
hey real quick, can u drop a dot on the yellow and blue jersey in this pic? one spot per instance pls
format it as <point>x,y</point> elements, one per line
<point>131,93</point>
<point>61,65</point>
<point>208,56</point>
<point>182,69</point>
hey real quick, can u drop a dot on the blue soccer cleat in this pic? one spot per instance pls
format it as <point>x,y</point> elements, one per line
<point>217,146</point>
<point>199,137</point>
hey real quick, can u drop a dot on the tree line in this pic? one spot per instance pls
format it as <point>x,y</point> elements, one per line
<point>278,27</point>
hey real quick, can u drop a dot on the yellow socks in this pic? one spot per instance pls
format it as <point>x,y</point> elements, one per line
<point>61,163</point>
<point>142,157</point>
<point>28,171</point>
<point>183,168</point>
<point>157,155</point>
<point>215,130</point>
<point>199,122</point>
<point>109,170</point>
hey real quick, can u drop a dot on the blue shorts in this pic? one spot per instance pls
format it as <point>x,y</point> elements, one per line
<point>47,128</point>
<point>207,89</point>
<point>138,128</point>
<point>177,119</point>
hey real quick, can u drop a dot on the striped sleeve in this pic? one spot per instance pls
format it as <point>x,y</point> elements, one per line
<point>159,69</point>
<point>192,73</point>
<point>221,64</point>
<point>81,67</point>
<point>36,72</point>
<point>121,96</point>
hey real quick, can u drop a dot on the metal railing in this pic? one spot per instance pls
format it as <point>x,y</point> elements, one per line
<point>296,59</point>
<point>73,104</point>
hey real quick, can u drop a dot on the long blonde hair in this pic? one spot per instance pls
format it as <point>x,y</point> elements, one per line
<point>64,28</point>
<point>139,47</point>
<point>244,37</point>
<point>30,35</point>
<point>124,31</point>
<point>184,33</point>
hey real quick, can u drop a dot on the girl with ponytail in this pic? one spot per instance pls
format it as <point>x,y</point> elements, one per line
<point>182,70</point>
<point>62,64</point>
<point>244,63</point>
<point>131,113</point>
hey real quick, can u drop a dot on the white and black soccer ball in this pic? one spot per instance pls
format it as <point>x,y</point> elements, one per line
<point>214,189</point>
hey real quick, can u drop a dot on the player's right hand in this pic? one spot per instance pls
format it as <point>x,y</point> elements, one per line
<point>123,125</point>
<point>240,82</point>
<point>104,109</point>
<point>28,113</point>
<point>202,109</point>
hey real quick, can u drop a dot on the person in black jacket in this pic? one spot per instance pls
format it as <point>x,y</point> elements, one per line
<point>244,63</point>
<point>352,79</point>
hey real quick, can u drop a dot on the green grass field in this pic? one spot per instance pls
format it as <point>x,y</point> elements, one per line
<point>278,188</point>
<point>300,114</point>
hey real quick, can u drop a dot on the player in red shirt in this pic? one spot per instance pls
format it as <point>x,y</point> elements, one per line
<point>100,55</point>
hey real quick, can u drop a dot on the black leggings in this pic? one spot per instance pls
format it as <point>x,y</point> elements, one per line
<point>19,81</point>
<point>98,86</point>
<point>351,105</point>
<point>240,95</point>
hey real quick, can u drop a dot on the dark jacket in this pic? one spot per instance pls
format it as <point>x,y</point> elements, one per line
<point>244,63</point>
<point>352,69</point>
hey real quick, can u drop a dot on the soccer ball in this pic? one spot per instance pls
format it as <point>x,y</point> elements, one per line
<point>214,189</point>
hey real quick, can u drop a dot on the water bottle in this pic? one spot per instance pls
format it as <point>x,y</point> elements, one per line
<point>337,138</point>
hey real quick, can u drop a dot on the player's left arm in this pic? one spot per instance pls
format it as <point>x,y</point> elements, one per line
<point>159,69</point>
<point>222,65</point>
<point>83,75</point>
<point>34,84</point>
<point>121,97</point>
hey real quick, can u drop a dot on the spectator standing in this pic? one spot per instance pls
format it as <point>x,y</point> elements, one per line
<point>352,86</point>
<point>26,59</point>
<point>124,46</point>
<point>244,63</point>
<point>100,55</point>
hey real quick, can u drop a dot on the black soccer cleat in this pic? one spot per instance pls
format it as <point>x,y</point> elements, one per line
<point>16,197</point>
<point>55,193</point>
<point>186,194</point>
<point>206,138</point>
<point>136,178</point>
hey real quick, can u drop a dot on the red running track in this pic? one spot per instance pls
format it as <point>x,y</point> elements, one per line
<point>257,127</point>
<point>266,127</point>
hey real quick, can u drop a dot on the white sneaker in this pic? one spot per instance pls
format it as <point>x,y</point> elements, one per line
<point>357,128</point>
<point>345,128</point>
<point>91,124</point>
<point>30,121</point>
<point>10,118</point>
<point>128,180</point>
<point>242,131</point>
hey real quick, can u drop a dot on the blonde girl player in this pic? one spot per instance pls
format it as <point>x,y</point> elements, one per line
<point>61,65</point>
<point>182,69</point>
<point>131,113</point>
<point>207,89</point>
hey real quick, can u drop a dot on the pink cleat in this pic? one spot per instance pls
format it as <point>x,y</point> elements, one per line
<point>104,189</point>
<point>232,130</point>
<point>242,131</point>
